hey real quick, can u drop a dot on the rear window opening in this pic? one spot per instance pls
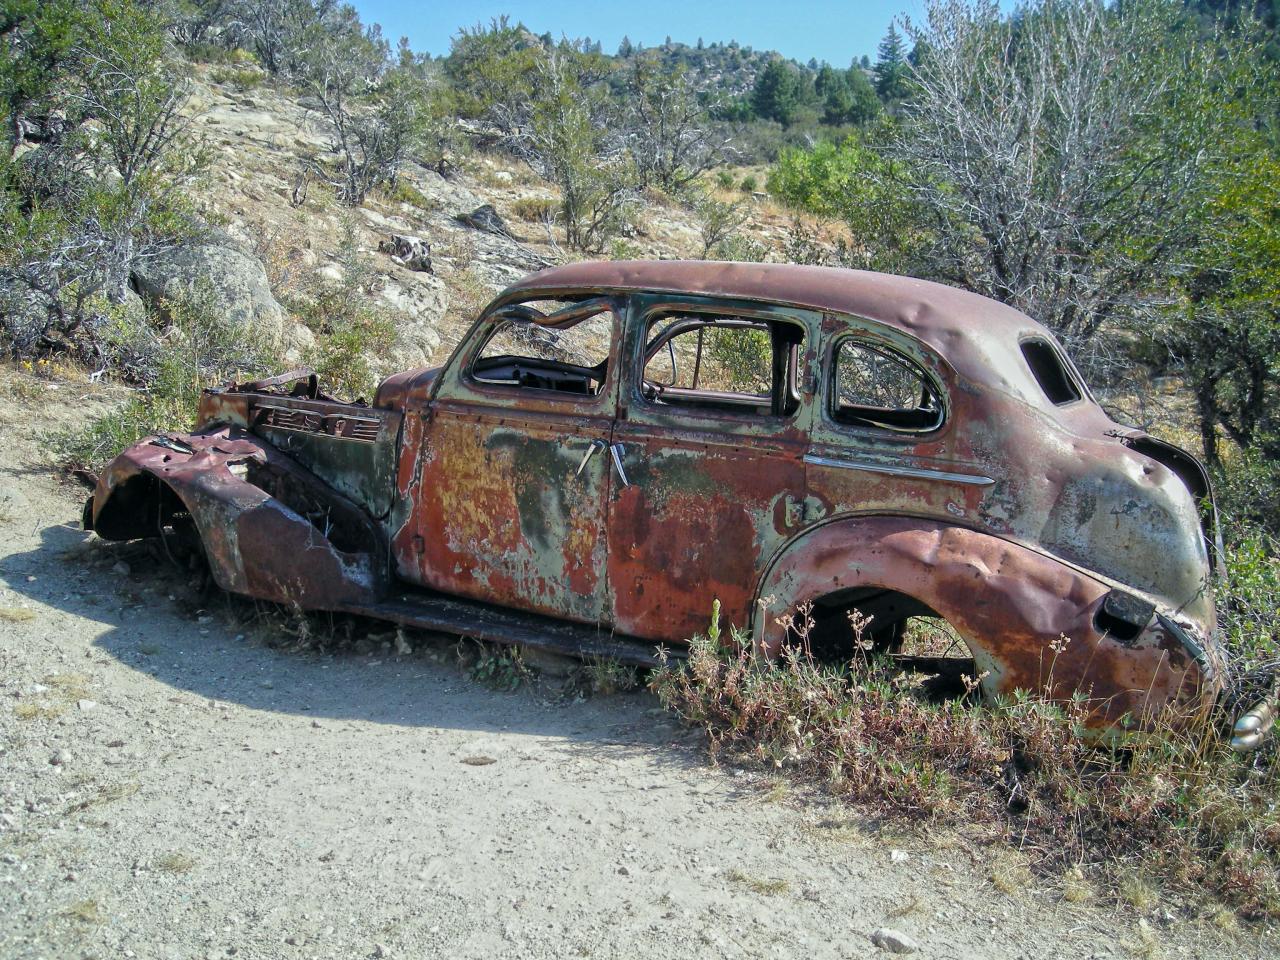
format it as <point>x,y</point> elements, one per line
<point>1050,371</point>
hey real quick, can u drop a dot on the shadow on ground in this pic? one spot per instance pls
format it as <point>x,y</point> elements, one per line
<point>150,621</point>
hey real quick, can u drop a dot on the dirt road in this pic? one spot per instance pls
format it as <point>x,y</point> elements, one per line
<point>170,786</point>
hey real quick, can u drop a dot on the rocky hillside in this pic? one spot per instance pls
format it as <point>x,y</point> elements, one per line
<point>484,226</point>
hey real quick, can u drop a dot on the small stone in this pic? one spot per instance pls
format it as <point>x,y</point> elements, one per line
<point>380,951</point>
<point>894,941</point>
<point>624,872</point>
<point>121,568</point>
<point>86,704</point>
<point>316,724</point>
<point>899,856</point>
<point>291,941</point>
<point>60,758</point>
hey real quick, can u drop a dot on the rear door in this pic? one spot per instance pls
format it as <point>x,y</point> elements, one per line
<point>709,444</point>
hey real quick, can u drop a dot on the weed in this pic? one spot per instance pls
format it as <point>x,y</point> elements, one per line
<point>177,862</point>
<point>1177,805</point>
<point>765,886</point>
<point>29,710</point>
<point>405,192</point>
<point>108,794</point>
<point>1009,873</point>
<point>606,677</point>
<point>1137,891</point>
<point>499,667</point>
<point>1075,888</point>
<point>85,911</point>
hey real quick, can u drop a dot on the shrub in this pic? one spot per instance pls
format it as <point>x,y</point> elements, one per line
<point>749,183</point>
<point>724,180</point>
<point>534,209</point>
<point>198,348</point>
<point>242,78</point>
<point>1178,804</point>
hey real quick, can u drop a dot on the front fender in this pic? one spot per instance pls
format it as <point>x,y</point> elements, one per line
<point>269,529</point>
<point>1013,607</point>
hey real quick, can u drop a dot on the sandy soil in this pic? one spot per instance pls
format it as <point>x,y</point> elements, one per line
<point>172,787</point>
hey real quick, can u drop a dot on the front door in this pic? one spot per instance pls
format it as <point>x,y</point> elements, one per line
<point>514,470</point>
<point>711,435</point>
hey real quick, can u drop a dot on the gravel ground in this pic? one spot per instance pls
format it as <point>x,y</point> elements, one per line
<point>171,786</point>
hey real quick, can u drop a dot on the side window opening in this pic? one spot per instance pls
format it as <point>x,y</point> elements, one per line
<point>872,386</point>
<point>734,364</point>
<point>1051,372</point>
<point>557,345</point>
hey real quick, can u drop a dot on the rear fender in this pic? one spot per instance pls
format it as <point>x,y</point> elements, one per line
<point>269,529</point>
<point>1012,605</point>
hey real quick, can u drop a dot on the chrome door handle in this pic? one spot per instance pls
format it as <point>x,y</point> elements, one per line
<point>592,447</point>
<point>616,451</point>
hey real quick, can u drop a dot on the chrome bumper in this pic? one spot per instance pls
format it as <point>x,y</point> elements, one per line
<point>1254,725</point>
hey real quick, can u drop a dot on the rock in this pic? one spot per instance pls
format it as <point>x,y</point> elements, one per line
<point>894,941</point>
<point>234,283</point>
<point>86,704</point>
<point>899,856</point>
<point>60,758</point>
<point>485,219</point>
<point>380,951</point>
<point>412,253</point>
<point>120,568</point>
<point>624,872</point>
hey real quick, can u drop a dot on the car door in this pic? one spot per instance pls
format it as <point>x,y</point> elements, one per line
<point>710,439</point>
<point>513,473</point>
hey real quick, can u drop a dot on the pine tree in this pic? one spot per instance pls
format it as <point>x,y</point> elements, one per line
<point>891,67</point>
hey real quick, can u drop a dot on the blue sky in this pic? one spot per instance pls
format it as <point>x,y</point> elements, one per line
<point>831,31</point>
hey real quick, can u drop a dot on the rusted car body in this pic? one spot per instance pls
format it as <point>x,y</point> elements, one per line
<point>614,445</point>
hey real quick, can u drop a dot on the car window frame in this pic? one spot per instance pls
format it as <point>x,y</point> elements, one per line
<point>918,358</point>
<point>644,307</point>
<point>488,325</point>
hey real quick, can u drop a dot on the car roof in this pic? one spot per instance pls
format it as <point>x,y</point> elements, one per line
<point>978,336</point>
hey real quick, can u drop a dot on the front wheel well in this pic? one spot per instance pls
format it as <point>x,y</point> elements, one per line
<point>140,507</point>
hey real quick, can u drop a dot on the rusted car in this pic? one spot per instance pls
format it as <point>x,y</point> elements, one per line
<point>614,445</point>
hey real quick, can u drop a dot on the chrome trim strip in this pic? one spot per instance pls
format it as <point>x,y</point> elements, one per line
<point>976,480</point>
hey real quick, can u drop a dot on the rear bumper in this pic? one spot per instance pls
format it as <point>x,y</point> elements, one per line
<point>1254,727</point>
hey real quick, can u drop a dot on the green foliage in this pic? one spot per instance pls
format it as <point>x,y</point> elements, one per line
<point>198,347</point>
<point>892,70</point>
<point>782,93</point>
<point>242,79</point>
<point>108,185</point>
<point>724,179</point>
<point>858,186</point>
<point>349,328</point>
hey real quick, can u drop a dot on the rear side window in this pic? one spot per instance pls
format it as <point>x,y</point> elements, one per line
<point>873,386</point>
<point>1051,372</point>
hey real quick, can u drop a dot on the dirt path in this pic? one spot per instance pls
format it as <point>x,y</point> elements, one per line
<point>171,788</point>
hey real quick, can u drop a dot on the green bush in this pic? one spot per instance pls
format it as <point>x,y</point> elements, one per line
<point>749,183</point>
<point>724,179</point>
<point>242,78</point>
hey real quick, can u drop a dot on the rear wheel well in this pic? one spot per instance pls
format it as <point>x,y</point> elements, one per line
<point>893,624</point>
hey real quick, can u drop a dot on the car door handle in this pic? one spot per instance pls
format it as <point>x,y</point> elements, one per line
<point>592,447</point>
<point>616,451</point>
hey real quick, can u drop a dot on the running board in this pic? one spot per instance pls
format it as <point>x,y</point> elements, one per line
<point>428,610</point>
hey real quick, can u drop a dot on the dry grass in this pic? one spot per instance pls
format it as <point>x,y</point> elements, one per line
<point>765,886</point>
<point>34,710</point>
<point>16,614</point>
<point>1178,806</point>
<point>1076,888</point>
<point>105,795</point>
<point>176,862</point>
<point>85,911</point>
